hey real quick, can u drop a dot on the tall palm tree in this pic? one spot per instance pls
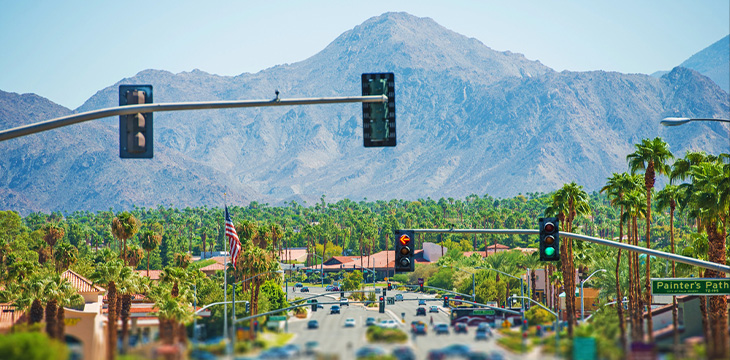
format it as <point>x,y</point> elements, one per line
<point>567,203</point>
<point>108,274</point>
<point>126,288</point>
<point>124,226</point>
<point>667,199</point>
<point>711,197</point>
<point>652,157</point>
<point>149,240</point>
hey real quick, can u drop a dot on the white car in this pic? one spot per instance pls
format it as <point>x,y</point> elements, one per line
<point>344,302</point>
<point>388,324</point>
<point>350,322</point>
<point>398,297</point>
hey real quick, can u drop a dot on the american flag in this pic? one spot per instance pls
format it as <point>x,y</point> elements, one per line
<point>232,236</point>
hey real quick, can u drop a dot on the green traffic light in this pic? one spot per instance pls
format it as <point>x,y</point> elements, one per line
<point>549,251</point>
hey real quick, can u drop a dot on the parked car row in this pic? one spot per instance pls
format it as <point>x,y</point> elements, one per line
<point>372,351</point>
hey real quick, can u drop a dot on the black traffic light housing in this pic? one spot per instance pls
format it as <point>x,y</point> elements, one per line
<point>135,130</point>
<point>248,307</point>
<point>549,239</point>
<point>390,287</point>
<point>404,249</point>
<point>446,301</point>
<point>381,307</point>
<point>378,119</point>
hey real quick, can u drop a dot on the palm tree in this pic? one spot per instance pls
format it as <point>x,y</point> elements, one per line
<point>108,274</point>
<point>150,241</point>
<point>617,186</point>
<point>710,196</point>
<point>124,226</point>
<point>667,199</point>
<point>567,203</point>
<point>126,287</point>
<point>652,157</point>
<point>67,296</point>
<point>171,310</point>
<point>53,233</point>
<point>65,256</point>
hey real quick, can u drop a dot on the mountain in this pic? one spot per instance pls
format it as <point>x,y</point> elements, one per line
<point>471,120</point>
<point>713,62</point>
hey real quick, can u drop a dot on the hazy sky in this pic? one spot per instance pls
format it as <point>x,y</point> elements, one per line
<point>67,50</point>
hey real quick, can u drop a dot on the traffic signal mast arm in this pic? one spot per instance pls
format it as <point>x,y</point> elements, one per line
<point>181,106</point>
<point>595,240</point>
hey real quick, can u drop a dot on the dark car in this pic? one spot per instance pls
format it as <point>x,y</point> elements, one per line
<point>436,355</point>
<point>370,321</point>
<point>369,351</point>
<point>313,324</point>
<point>404,353</point>
<point>420,329</point>
<point>304,289</point>
<point>441,328</point>
<point>421,311</point>
<point>458,350</point>
<point>460,328</point>
<point>335,309</point>
<point>298,285</point>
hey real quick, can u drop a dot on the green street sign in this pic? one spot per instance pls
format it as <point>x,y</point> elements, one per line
<point>483,312</point>
<point>690,286</point>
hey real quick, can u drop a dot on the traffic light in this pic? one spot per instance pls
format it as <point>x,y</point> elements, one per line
<point>404,242</point>
<point>248,307</point>
<point>384,292</point>
<point>390,287</point>
<point>446,301</point>
<point>135,130</point>
<point>342,294</point>
<point>381,308</point>
<point>378,119</point>
<point>421,285</point>
<point>549,239</point>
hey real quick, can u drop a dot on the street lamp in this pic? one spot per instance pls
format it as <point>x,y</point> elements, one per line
<point>582,312</point>
<point>473,284</point>
<point>676,121</point>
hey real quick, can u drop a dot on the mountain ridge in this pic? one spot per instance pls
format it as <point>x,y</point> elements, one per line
<point>515,127</point>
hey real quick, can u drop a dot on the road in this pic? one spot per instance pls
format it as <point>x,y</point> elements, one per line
<point>334,338</point>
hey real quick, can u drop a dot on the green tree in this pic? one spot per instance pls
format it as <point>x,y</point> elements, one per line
<point>31,346</point>
<point>150,240</point>
<point>352,281</point>
<point>124,227</point>
<point>652,157</point>
<point>108,274</point>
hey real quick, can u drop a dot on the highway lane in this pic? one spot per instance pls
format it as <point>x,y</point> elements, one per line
<point>334,338</point>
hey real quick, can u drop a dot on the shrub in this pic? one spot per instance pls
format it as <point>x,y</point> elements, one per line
<point>538,316</point>
<point>31,346</point>
<point>378,334</point>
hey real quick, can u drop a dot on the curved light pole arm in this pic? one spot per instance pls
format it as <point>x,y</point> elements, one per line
<point>582,312</point>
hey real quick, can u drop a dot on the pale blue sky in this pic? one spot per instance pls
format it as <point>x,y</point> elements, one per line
<point>67,50</point>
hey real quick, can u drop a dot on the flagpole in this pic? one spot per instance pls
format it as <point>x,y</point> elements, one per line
<point>225,277</point>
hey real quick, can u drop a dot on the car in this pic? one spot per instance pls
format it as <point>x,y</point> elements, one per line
<point>441,328</point>
<point>478,355</point>
<point>335,309</point>
<point>422,302</point>
<point>420,329</point>
<point>310,347</point>
<point>482,334</point>
<point>274,353</point>
<point>404,353</point>
<point>350,322</point>
<point>313,324</point>
<point>298,285</point>
<point>328,288</point>
<point>460,328</point>
<point>344,302</point>
<point>457,350</point>
<point>421,311</point>
<point>388,324</point>
<point>368,351</point>
<point>292,350</point>
<point>304,289</point>
<point>398,297</point>
<point>436,354</point>
<point>433,309</point>
<point>320,306</point>
<point>370,321</point>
